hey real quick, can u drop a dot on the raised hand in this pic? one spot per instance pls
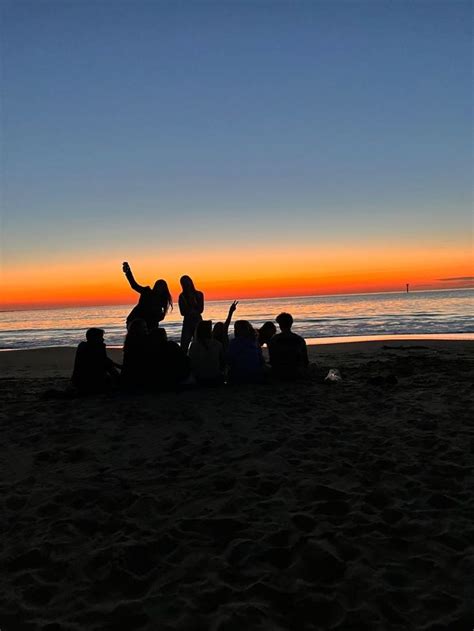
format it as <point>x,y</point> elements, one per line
<point>125,267</point>
<point>233,306</point>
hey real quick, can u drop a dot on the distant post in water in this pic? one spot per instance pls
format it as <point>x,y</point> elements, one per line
<point>408,287</point>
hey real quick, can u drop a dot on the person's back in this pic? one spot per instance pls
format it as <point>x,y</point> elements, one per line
<point>245,355</point>
<point>207,360</point>
<point>149,308</point>
<point>153,304</point>
<point>287,350</point>
<point>92,367</point>
<point>168,366</point>
<point>206,355</point>
<point>136,356</point>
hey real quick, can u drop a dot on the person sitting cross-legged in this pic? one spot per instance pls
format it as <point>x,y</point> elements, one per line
<point>93,370</point>
<point>287,350</point>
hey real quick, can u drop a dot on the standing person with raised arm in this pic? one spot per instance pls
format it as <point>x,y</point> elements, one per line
<point>191,306</point>
<point>153,304</point>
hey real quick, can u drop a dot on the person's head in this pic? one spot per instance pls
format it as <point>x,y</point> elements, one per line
<point>243,328</point>
<point>285,321</point>
<point>137,328</point>
<point>187,284</point>
<point>95,336</point>
<point>266,332</point>
<point>204,332</point>
<point>158,336</point>
<point>218,332</point>
<point>160,288</point>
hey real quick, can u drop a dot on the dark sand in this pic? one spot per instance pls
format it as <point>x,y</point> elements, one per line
<point>344,506</point>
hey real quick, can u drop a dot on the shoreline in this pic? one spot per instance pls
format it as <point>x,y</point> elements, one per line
<point>315,341</point>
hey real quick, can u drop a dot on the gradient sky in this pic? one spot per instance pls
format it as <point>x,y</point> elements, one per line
<point>264,148</point>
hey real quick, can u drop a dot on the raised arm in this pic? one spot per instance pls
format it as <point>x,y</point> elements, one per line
<point>133,283</point>
<point>232,308</point>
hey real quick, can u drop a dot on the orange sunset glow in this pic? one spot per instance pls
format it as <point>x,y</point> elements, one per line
<point>252,273</point>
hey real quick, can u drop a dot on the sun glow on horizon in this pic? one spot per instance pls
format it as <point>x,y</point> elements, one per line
<point>249,273</point>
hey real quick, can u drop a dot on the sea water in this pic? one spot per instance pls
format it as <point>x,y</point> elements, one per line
<point>446,313</point>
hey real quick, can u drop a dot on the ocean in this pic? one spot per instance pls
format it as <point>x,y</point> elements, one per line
<point>317,318</point>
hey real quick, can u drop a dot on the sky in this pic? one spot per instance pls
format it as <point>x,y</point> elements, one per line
<point>264,148</point>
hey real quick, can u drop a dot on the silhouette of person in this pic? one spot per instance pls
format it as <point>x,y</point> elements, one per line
<point>220,332</point>
<point>93,370</point>
<point>168,364</point>
<point>191,306</point>
<point>207,356</point>
<point>265,333</point>
<point>287,350</point>
<point>136,356</point>
<point>245,357</point>
<point>153,304</point>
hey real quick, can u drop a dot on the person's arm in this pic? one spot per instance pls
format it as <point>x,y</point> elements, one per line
<point>80,363</point>
<point>182,305</point>
<point>304,349</point>
<point>110,365</point>
<point>193,352</point>
<point>271,353</point>
<point>232,308</point>
<point>133,283</point>
<point>200,301</point>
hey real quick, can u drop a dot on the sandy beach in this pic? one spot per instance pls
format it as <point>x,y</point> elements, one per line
<point>277,507</point>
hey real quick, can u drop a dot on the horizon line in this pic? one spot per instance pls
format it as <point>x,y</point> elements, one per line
<point>368,293</point>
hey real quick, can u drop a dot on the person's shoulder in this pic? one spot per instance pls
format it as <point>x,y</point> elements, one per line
<point>300,338</point>
<point>275,338</point>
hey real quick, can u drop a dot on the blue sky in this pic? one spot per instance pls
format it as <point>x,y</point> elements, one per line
<point>127,124</point>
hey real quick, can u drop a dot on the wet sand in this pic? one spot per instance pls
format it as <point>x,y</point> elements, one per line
<point>281,507</point>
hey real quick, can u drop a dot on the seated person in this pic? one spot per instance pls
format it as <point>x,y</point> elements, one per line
<point>168,365</point>
<point>287,351</point>
<point>220,332</point>
<point>207,356</point>
<point>266,332</point>
<point>135,355</point>
<point>93,370</point>
<point>245,357</point>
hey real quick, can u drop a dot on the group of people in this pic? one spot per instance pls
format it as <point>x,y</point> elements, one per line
<point>205,357</point>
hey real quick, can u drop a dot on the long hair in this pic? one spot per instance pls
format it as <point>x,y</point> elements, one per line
<point>204,332</point>
<point>162,291</point>
<point>266,332</point>
<point>189,291</point>
<point>218,332</point>
<point>243,328</point>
